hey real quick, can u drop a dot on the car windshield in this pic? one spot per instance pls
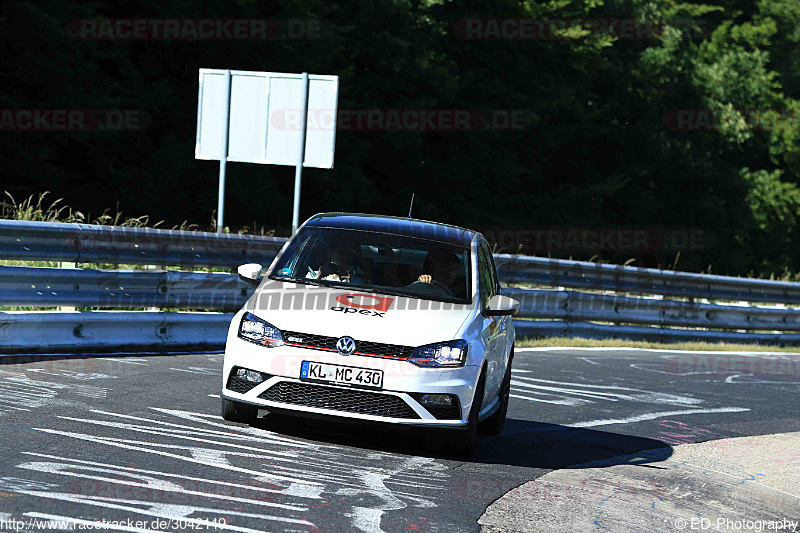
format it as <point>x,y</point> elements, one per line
<point>380,262</point>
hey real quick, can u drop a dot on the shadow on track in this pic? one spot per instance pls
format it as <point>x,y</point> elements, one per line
<point>552,446</point>
<point>523,443</point>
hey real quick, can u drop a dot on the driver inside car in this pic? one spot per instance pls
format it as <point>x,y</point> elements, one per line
<point>344,264</point>
<point>442,267</point>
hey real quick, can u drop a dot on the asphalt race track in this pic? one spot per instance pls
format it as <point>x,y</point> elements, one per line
<point>137,441</point>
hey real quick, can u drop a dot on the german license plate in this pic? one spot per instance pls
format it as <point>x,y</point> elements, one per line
<point>346,375</point>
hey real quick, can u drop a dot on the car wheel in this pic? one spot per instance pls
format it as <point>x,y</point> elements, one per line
<point>462,441</point>
<point>238,412</point>
<point>494,424</point>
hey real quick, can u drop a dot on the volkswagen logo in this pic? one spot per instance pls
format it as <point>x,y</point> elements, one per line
<point>346,345</point>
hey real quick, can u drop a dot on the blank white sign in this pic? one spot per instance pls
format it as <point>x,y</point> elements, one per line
<point>248,119</point>
<point>321,132</point>
<point>285,103</point>
<point>212,111</point>
<point>265,117</point>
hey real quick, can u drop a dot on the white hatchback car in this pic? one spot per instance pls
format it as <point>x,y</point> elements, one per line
<point>376,318</point>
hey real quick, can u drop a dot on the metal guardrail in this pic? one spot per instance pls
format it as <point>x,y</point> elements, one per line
<point>54,332</point>
<point>543,312</point>
<point>574,306</point>
<point>619,278</point>
<point>43,287</point>
<point>116,245</point>
<point>34,286</point>
<point>108,331</point>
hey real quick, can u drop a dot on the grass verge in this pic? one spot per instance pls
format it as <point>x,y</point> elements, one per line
<point>40,208</point>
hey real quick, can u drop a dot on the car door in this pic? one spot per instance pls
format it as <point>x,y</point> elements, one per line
<point>492,332</point>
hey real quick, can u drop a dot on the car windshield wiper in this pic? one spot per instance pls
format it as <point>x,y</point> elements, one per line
<point>304,281</point>
<point>385,291</point>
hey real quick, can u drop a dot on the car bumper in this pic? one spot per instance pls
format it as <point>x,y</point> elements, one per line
<point>397,402</point>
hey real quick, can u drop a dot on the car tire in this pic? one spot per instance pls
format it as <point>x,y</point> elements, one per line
<point>462,441</point>
<point>238,412</point>
<point>496,422</point>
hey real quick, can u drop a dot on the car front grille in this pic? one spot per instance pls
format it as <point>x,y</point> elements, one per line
<point>323,342</point>
<point>351,401</point>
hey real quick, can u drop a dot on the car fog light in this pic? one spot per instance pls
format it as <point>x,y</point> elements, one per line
<point>436,399</point>
<point>250,375</point>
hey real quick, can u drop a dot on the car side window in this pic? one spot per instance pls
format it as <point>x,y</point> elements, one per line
<point>492,271</point>
<point>488,284</point>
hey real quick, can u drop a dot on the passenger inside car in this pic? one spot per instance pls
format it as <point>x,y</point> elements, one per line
<point>344,264</point>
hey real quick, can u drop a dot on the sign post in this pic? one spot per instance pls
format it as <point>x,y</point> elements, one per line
<point>263,117</point>
<point>223,156</point>
<point>301,155</point>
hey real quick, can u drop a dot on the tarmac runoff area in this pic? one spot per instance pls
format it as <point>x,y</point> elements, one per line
<point>736,484</point>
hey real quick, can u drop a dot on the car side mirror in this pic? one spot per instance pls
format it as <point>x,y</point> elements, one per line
<point>250,273</point>
<point>500,305</point>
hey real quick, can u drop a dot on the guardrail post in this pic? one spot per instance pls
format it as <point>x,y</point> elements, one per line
<point>67,264</point>
<point>151,267</point>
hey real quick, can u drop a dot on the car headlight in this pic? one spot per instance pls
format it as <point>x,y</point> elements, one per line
<point>451,353</point>
<point>259,331</point>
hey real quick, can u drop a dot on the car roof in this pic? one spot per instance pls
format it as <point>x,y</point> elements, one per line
<point>409,227</point>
